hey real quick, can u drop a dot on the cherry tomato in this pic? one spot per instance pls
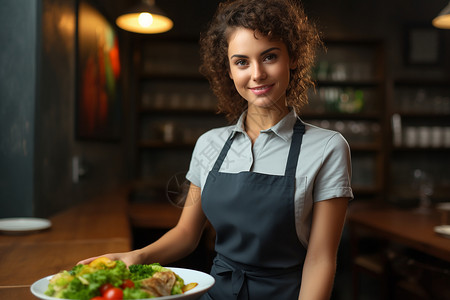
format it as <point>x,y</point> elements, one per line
<point>105,287</point>
<point>127,283</point>
<point>98,298</point>
<point>113,294</point>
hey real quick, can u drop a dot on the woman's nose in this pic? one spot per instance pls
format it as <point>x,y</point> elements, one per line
<point>258,72</point>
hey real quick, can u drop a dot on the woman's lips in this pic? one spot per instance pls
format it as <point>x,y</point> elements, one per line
<point>260,90</point>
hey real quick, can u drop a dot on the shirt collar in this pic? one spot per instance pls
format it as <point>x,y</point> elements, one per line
<point>239,126</point>
<point>283,129</point>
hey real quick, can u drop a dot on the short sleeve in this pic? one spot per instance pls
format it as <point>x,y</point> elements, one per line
<point>194,172</point>
<point>206,151</point>
<point>334,177</point>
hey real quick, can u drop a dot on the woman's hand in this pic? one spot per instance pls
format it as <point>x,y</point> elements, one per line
<point>129,258</point>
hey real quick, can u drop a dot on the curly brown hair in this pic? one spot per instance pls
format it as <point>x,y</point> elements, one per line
<point>278,19</point>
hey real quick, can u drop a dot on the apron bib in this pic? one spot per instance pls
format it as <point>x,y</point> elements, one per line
<point>259,255</point>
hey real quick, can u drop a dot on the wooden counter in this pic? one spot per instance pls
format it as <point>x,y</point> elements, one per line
<point>397,231</point>
<point>88,229</point>
<point>411,228</point>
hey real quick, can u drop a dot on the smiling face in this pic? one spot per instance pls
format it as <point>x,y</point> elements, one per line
<point>259,68</point>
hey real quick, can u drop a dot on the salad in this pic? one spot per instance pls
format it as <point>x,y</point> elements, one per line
<point>105,279</point>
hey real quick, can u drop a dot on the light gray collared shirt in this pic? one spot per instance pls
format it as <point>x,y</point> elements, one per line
<point>323,171</point>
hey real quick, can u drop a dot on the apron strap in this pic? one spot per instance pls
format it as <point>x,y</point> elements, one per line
<point>223,153</point>
<point>294,150</point>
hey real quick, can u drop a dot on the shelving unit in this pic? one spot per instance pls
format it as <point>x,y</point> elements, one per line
<point>419,141</point>
<point>174,106</point>
<point>349,98</point>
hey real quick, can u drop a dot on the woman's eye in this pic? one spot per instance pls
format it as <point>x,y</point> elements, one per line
<point>270,57</point>
<point>240,62</point>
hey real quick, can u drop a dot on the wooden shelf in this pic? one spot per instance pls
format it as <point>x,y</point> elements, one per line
<point>165,145</point>
<point>426,112</point>
<point>421,149</point>
<point>420,115</point>
<point>422,82</point>
<point>177,111</point>
<point>369,147</point>
<point>363,190</point>
<point>366,116</point>
<point>349,83</point>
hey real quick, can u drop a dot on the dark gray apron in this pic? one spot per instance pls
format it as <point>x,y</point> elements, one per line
<point>259,255</point>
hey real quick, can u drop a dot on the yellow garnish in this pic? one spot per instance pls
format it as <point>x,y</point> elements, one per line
<point>101,263</point>
<point>189,286</point>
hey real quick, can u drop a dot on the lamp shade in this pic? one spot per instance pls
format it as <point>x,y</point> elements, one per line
<point>443,19</point>
<point>145,17</point>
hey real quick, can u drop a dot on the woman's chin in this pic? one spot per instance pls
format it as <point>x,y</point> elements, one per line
<point>267,104</point>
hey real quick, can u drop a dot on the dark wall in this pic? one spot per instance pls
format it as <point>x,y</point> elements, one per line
<point>37,119</point>
<point>56,143</point>
<point>18,67</point>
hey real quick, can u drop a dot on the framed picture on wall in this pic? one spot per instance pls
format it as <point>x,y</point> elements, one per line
<point>98,96</point>
<point>423,45</point>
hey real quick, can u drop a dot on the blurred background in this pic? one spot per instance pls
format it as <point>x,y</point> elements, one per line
<point>87,107</point>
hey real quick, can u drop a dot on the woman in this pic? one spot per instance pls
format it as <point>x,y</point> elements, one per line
<point>274,188</point>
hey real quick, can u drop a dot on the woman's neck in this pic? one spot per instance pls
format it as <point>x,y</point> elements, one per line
<point>258,119</point>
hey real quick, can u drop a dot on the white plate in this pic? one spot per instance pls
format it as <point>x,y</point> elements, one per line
<point>205,282</point>
<point>23,225</point>
<point>443,230</point>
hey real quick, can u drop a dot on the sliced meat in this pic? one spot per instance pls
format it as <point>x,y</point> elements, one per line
<point>160,284</point>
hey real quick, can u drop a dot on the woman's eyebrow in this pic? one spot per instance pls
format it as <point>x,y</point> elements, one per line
<point>239,56</point>
<point>262,53</point>
<point>270,49</point>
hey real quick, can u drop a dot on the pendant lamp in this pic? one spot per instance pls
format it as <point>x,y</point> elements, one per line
<point>443,19</point>
<point>145,17</point>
